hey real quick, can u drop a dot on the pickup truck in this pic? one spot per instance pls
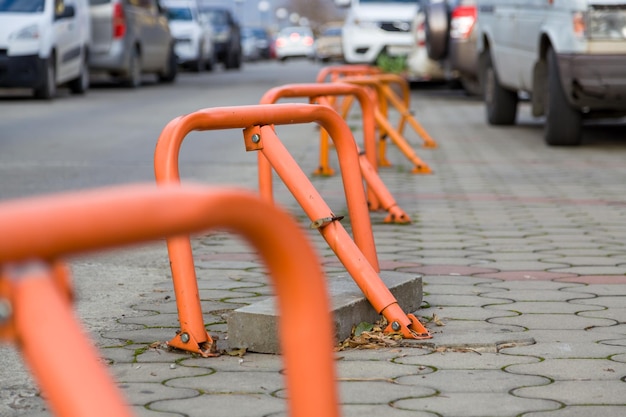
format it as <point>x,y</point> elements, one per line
<point>568,56</point>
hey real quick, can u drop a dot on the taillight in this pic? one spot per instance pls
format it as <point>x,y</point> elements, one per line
<point>420,36</point>
<point>280,42</point>
<point>307,40</point>
<point>462,22</point>
<point>119,21</point>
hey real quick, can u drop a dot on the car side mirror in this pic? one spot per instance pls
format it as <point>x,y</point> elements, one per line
<point>68,11</point>
<point>343,3</point>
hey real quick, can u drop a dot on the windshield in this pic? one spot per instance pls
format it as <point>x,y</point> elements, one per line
<point>179,13</point>
<point>22,6</point>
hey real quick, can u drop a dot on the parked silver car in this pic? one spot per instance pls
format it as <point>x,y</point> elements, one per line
<point>130,38</point>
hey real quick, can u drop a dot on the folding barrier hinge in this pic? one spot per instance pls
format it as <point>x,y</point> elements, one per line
<point>252,138</point>
<point>324,221</point>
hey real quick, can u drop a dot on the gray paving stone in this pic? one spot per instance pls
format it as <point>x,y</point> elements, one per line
<point>468,360</point>
<point>223,382</point>
<point>573,369</point>
<point>464,313</point>
<point>553,321</point>
<point>223,405</point>
<point>544,295</point>
<point>365,369</point>
<point>360,410</point>
<point>583,411</point>
<point>545,307</point>
<point>482,405</point>
<point>142,393</point>
<point>472,381</point>
<point>360,391</point>
<point>154,372</point>
<point>603,392</point>
<point>566,350</point>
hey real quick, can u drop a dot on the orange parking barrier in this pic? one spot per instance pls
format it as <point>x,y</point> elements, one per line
<point>358,256</point>
<point>381,197</point>
<point>335,72</point>
<point>34,307</point>
<point>385,93</point>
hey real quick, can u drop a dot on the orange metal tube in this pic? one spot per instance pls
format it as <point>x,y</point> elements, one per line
<point>337,71</point>
<point>166,170</point>
<point>420,167</point>
<point>320,92</point>
<point>385,126</point>
<point>172,136</point>
<point>73,380</point>
<point>93,220</point>
<point>361,270</point>
<point>381,195</point>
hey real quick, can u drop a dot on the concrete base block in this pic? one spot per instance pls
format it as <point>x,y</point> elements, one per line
<point>254,327</point>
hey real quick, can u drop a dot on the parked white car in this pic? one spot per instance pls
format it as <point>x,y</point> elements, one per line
<point>44,44</point>
<point>295,42</point>
<point>375,27</point>
<point>192,33</point>
<point>568,55</point>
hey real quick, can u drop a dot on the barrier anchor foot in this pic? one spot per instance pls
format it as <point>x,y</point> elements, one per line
<point>397,215</point>
<point>421,169</point>
<point>405,324</point>
<point>324,171</point>
<point>186,341</point>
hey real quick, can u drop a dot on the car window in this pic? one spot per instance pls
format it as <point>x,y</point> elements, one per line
<point>179,13</point>
<point>332,32</point>
<point>22,6</point>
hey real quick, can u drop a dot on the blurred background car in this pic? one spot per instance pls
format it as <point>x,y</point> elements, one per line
<point>328,45</point>
<point>226,34</point>
<point>451,39</point>
<point>261,39</point>
<point>130,38</point>
<point>295,42</point>
<point>419,66</point>
<point>44,45</point>
<point>193,35</point>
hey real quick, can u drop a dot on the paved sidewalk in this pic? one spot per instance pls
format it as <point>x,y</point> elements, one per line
<point>523,257</point>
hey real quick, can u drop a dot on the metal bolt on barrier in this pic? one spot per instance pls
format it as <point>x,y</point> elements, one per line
<point>379,195</point>
<point>81,222</point>
<point>358,256</point>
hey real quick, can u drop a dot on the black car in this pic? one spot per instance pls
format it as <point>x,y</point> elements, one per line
<point>226,34</point>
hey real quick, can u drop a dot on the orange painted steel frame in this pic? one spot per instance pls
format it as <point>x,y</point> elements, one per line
<point>74,381</point>
<point>319,92</point>
<point>358,255</point>
<point>384,91</point>
<point>337,71</point>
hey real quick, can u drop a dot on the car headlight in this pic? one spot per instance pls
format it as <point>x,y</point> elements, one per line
<point>28,33</point>
<point>606,23</point>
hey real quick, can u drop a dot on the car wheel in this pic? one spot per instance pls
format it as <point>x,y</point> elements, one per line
<point>233,60</point>
<point>198,64</point>
<point>171,70</point>
<point>437,30</point>
<point>500,103</point>
<point>471,85</point>
<point>563,122</point>
<point>80,85</point>
<point>133,78</point>
<point>48,88</point>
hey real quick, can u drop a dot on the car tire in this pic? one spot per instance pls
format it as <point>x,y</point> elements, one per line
<point>233,60</point>
<point>563,122</point>
<point>500,103</point>
<point>437,30</point>
<point>171,70</point>
<point>133,77</point>
<point>48,89</point>
<point>80,85</point>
